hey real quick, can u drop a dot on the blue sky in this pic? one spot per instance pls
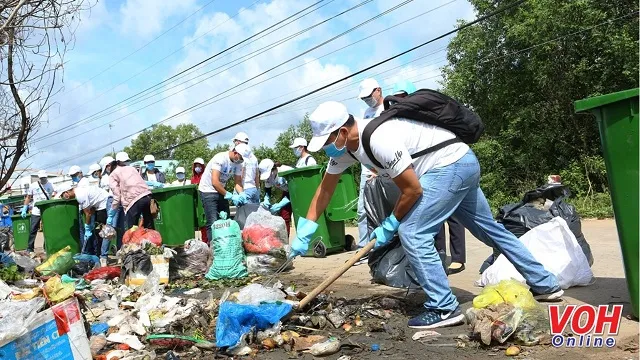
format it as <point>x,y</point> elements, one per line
<point>108,35</point>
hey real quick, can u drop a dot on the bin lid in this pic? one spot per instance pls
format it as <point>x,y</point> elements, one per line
<point>598,101</point>
<point>54,201</point>
<point>313,169</point>
<point>173,188</point>
<point>19,217</point>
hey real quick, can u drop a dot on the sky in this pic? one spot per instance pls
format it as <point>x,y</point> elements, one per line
<point>123,47</point>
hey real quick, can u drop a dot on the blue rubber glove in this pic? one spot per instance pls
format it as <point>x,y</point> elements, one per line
<point>384,233</point>
<point>110,215</point>
<point>304,232</point>
<point>235,198</point>
<point>88,231</point>
<point>242,199</point>
<point>155,184</point>
<point>275,209</point>
<point>25,208</point>
<point>266,203</point>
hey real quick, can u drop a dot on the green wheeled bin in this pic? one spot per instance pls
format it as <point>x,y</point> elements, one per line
<point>617,117</point>
<point>60,225</point>
<point>177,213</point>
<point>21,228</point>
<point>330,236</point>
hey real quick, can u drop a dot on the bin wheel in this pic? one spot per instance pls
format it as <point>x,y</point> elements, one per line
<point>319,250</point>
<point>350,243</point>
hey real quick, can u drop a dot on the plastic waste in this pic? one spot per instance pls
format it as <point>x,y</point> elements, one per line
<point>190,260</point>
<point>87,258</point>
<point>264,233</point>
<point>255,294</point>
<point>130,340</point>
<point>135,235</point>
<point>99,328</point>
<point>97,343</point>
<point>57,291</point>
<point>508,291</point>
<point>228,262</point>
<point>107,232</point>
<point>6,259</point>
<point>16,316</point>
<point>26,263</point>
<point>235,320</point>
<point>107,273</point>
<point>328,347</point>
<point>265,264</point>
<point>5,290</point>
<point>58,263</point>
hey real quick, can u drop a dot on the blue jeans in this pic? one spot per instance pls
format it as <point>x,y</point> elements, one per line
<point>454,190</point>
<point>363,231</point>
<point>253,195</point>
<point>213,203</point>
<point>118,220</point>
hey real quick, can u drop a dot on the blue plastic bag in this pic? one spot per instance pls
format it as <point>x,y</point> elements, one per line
<point>86,258</point>
<point>235,320</point>
<point>6,259</point>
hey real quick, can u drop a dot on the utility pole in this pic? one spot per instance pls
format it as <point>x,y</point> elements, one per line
<point>113,150</point>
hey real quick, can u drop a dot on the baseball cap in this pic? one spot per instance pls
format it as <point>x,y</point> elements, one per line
<point>149,158</point>
<point>42,174</point>
<point>122,156</point>
<point>179,169</point>
<point>65,187</point>
<point>404,86</point>
<point>198,161</point>
<point>106,161</point>
<point>298,142</point>
<point>242,137</point>
<point>366,87</point>
<point>244,150</point>
<point>74,170</point>
<point>265,167</point>
<point>93,168</point>
<point>325,119</point>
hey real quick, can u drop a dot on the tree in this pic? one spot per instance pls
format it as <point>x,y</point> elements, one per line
<point>283,153</point>
<point>34,38</point>
<point>521,71</point>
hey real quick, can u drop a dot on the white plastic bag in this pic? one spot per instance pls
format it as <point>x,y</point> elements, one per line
<point>556,248</point>
<point>254,294</point>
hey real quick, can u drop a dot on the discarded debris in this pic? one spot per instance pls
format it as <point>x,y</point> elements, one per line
<point>328,347</point>
<point>427,334</point>
<point>512,351</point>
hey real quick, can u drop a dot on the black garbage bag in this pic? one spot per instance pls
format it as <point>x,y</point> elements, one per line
<point>521,217</point>
<point>136,261</point>
<point>81,267</point>
<point>243,212</point>
<point>6,239</point>
<point>388,264</point>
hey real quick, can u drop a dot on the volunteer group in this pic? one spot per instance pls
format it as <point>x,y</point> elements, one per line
<point>436,172</point>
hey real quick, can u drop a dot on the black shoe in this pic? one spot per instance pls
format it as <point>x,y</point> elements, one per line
<point>431,319</point>
<point>549,297</point>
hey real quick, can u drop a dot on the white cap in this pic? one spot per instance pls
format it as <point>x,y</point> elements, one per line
<point>325,119</point>
<point>65,187</point>
<point>180,169</point>
<point>149,158</point>
<point>106,161</point>
<point>366,87</point>
<point>198,161</point>
<point>74,170</point>
<point>242,137</point>
<point>298,142</point>
<point>265,167</point>
<point>93,168</point>
<point>122,156</point>
<point>42,174</point>
<point>244,150</point>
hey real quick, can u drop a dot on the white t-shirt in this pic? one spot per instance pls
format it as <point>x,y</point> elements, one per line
<point>302,162</point>
<point>393,143</point>
<point>370,113</point>
<point>104,183</point>
<point>181,182</point>
<point>92,196</point>
<point>36,195</point>
<point>250,170</point>
<point>224,165</point>
<point>84,182</point>
<point>151,177</point>
<point>278,182</point>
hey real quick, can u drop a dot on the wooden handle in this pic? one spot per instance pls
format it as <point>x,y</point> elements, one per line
<point>325,284</point>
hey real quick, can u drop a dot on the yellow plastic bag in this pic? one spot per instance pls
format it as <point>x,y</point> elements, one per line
<point>27,295</point>
<point>58,263</point>
<point>510,291</point>
<point>57,291</point>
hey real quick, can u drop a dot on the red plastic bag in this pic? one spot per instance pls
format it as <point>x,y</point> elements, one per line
<point>135,235</point>
<point>107,273</point>
<point>258,239</point>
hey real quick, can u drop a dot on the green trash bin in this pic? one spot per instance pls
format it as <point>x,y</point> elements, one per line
<point>177,211</point>
<point>21,228</point>
<point>201,218</point>
<point>303,183</point>
<point>617,117</point>
<point>60,225</point>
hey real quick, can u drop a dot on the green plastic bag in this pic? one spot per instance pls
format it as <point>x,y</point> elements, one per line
<point>229,257</point>
<point>58,263</point>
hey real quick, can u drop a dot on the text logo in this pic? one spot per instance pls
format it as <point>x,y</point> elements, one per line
<point>396,159</point>
<point>587,323</point>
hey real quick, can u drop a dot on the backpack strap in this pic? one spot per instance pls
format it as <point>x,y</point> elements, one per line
<point>43,191</point>
<point>306,160</point>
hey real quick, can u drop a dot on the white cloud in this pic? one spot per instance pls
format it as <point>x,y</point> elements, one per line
<point>146,18</point>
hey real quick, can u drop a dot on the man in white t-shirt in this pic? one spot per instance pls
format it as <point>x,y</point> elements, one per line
<point>92,201</point>
<point>433,187</point>
<point>250,176</point>
<point>77,177</point>
<point>181,177</point>
<point>222,167</point>
<point>38,191</point>
<point>299,147</point>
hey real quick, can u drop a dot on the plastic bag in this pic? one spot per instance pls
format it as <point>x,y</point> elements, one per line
<point>58,291</point>
<point>506,291</point>
<point>555,247</point>
<point>81,268</point>
<point>26,263</point>
<point>265,264</point>
<point>228,262</point>
<point>107,273</point>
<point>135,235</point>
<point>521,217</point>
<point>190,260</point>
<point>6,239</point>
<point>265,241</point>
<point>534,327</point>
<point>235,320</point>
<point>243,212</point>
<point>107,232</point>
<point>16,316</point>
<point>136,261</point>
<point>58,263</point>
<point>255,294</point>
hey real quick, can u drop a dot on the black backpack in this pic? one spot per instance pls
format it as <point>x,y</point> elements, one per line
<point>432,107</point>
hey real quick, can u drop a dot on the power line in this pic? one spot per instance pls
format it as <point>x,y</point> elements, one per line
<point>459,28</point>
<point>203,103</point>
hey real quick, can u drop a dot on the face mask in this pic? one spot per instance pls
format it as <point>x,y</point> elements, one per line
<point>95,175</point>
<point>43,181</point>
<point>370,101</point>
<point>332,150</point>
<point>181,177</point>
<point>75,179</point>
<point>151,166</point>
<point>238,161</point>
<point>198,169</point>
<point>297,152</point>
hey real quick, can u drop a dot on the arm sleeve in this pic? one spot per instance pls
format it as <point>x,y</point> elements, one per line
<point>394,156</point>
<point>114,185</point>
<point>338,165</point>
<point>311,161</point>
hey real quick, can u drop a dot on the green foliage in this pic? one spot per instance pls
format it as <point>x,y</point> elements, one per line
<point>597,205</point>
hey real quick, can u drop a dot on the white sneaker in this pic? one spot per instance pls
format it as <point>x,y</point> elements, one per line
<point>103,262</point>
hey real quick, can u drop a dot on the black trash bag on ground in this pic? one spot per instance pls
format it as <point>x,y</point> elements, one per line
<point>81,267</point>
<point>243,212</point>
<point>534,210</point>
<point>389,264</point>
<point>6,239</point>
<point>136,261</point>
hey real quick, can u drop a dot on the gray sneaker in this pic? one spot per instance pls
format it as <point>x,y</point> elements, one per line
<point>549,297</point>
